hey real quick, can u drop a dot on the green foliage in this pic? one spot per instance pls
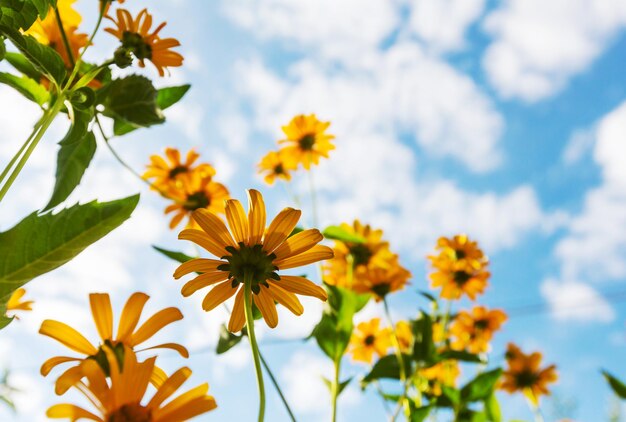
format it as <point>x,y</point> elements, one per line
<point>77,149</point>
<point>387,367</point>
<point>227,340</point>
<point>423,345</point>
<point>42,242</point>
<point>27,87</point>
<point>419,414</point>
<point>617,386</point>
<point>166,97</point>
<point>43,58</point>
<point>337,233</point>
<point>20,14</point>
<point>176,256</point>
<point>132,99</point>
<point>460,355</point>
<point>340,387</point>
<point>492,408</point>
<point>481,387</point>
<point>21,64</point>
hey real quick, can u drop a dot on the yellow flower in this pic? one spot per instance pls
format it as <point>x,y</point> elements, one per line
<point>47,31</point>
<point>404,334</point>
<point>524,374</point>
<point>367,339</point>
<point>173,172</point>
<point>460,268</point>
<point>199,193</point>
<point>136,37</point>
<point>306,140</point>
<point>119,399</point>
<point>380,281</point>
<point>275,165</point>
<point>15,302</point>
<point>251,250</point>
<point>128,335</point>
<point>443,373</point>
<point>474,331</point>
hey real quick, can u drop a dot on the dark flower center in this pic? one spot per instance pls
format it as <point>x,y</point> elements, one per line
<point>196,201</point>
<point>461,277</point>
<point>134,42</point>
<point>382,289</point>
<point>459,254</point>
<point>177,170</point>
<point>130,413</point>
<point>279,169</point>
<point>101,358</point>
<point>307,141</point>
<point>481,324</point>
<point>369,340</point>
<point>526,378</point>
<point>252,261</point>
<point>360,253</point>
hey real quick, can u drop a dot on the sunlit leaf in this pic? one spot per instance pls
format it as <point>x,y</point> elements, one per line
<point>617,386</point>
<point>227,340</point>
<point>481,387</point>
<point>27,87</point>
<point>338,233</point>
<point>387,367</point>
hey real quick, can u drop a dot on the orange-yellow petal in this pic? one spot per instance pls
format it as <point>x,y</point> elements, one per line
<point>285,298</point>
<point>130,315</point>
<point>265,303</point>
<point>155,323</point>
<point>301,286</point>
<point>256,216</point>
<point>199,265</point>
<point>315,254</point>
<point>68,336</point>
<point>102,314</point>
<point>218,294</point>
<point>298,243</point>
<point>237,220</point>
<point>280,228</point>
<point>237,317</point>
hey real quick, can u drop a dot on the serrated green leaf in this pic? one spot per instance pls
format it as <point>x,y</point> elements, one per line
<point>43,242</point>
<point>338,233</point>
<point>176,256</point>
<point>21,64</point>
<point>19,14</point>
<point>43,58</point>
<point>481,387</point>
<point>133,100</point>
<point>617,386</point>
<point>77,149</point>
<point>227,340</point>
<point>27,87</point>
<point>387,367</point>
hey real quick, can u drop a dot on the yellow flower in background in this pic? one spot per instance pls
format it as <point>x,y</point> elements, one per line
<point>16,303</point>
<point>199,193</point>
<point>461,268</point>
<point>136,37</point>
<point>380,281</point>
<point>172,172</point>
<point>119,399</point>
<point>443,373</point>
<point>128,336</point>
<point>47,31</point>
<point>306,140</point>
<point>249,249</point>
<point>369,339</point>
<point>404,334</point>
<point>524,374</point>
<point>473,331</point>
<point>276,165</point>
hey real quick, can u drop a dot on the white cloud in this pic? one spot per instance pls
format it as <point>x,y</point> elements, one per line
<point>579,144</point>
<point>538,46</point>
<point>576,301</point>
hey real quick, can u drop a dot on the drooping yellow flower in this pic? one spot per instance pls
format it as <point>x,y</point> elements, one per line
<point>473,331</point>
<point>15,302</point>
<point>306,140</point>
<point>199,193</point>
<point>136,37</point>
<point>276,165</point>
<point>128,335</point>
<point>250,250</point>
<point>47,31</point>
<point>171,172</point>
<point>524,374</point>
<point>442,373</point>
<point>368,338</point>
<point>461,268</point>
<point>404,334</point>
<point>380,281</point>
<point>119,398</point>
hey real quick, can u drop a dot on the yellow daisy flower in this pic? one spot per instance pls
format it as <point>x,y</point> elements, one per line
<point>172,172</point>
<point>128,335</point>
<point>250,250</point>
<point>404,334</point>
<point>524,374</point>
<point>15,302</point>
<point>473,331</point>
<point>367,339</point>
<point>443,373</point>
<point>306,140</point>
<point>119,398</point>
<point>275,165</point>
<point>136,37</point>
<point>380,281</point>
<point>199,193</point>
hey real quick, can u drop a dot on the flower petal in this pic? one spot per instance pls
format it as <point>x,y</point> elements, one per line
<point>285,298</point>
<point>202,239</point>
<point>155,323</point>
<point>169,387</point>
<point>70,411</point>
<point>68,379</point>
<point>237,316</point>
<point>218,294</point>
<point>237,220</point>
<point>280,228</point>
<point>203,281</point>
<point>316,253</point>
<point>68,336</point>
<point>266,305</point>
<point>198,265</point>
<point>301,286</point>
<point>214,227</point>
<point>102,314</point>
<point>298,243</point>
<point>51,363</point>
<point>182,350</point>
<point>256,216</point>
<point>130,315</point>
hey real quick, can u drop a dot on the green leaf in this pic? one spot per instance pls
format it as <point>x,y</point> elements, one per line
<point>77,149</point>
<point>460,355</point>
<point>43,6</point>
<point>419,414</point>
<point>27,87</point>
<point>427,295</point>
<point>387,367</point>
<point>21,64</point>
<point>338,233</point>
<point>468,415</point>
<point>227,340</point>
<point>481,387</point>
<point>43,58</point>
<point>132,99</point>
<point>176,256</point>
<point>452,394</point>
<point>423,345</point>
<point>492,408</point>
<point>617,386</point>
<point>19,14</point>
<point>40,243</point>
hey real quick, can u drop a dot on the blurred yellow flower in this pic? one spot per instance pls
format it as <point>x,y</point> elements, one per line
<point>524,374</point>
<point>404,334</point>
<point>306,140</point>
<point>460,268</point>
<point>136,37</point>
<point>16,303</point>
<point>275,165</point>
<point>199,193</point>
<point>251,250</point>
<point>443,373</point>
<point>128,335</point>
<point>119,398</point>
<point>368,338</point>
<point>380,281</point>
<point>172,172</point>
<point>473,331</point>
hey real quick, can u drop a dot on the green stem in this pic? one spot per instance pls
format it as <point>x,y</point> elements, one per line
<point>381,393</point>
<point>278,390</point>
<point>313,198</point>
<point>334,390</point>
<point>247,296</point>
<point>404,401</point>
<point>46,121</point>
<point>532,400</point>
<point>21,150</point>
<point>66,42</point>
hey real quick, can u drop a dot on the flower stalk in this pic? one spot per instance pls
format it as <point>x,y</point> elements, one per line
<point>403,402</point>
<point>247,294</point>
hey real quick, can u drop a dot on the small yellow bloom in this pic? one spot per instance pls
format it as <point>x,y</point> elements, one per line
<point>524,374</point>
<point>461,268</point>
<point>135,36</point>
<point>128,335</point>
<point>443,373</point>
<point>380,281</point>
<point>276,165</point>
<point>171,172</point>
<point>198,193</point>
<point>368,338</point>
<point>251,250</point>
<point>306,140</point>
<point>473,331</point>
<point>404,334</point>
<point>119,398</point>
<point>15,302</point>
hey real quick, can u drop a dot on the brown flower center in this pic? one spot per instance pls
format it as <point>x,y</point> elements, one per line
<point>279,169</point>
<point>526,378</point>
<point>197,200</point>
<point>369,340</point>
<point>360,253</point>
<point>130,413</point>
<point>307,141</point>
<point>177,170</point>
<point>461,277</point>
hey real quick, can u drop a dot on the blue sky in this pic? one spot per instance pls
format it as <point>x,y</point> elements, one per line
<point>505,120</point>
